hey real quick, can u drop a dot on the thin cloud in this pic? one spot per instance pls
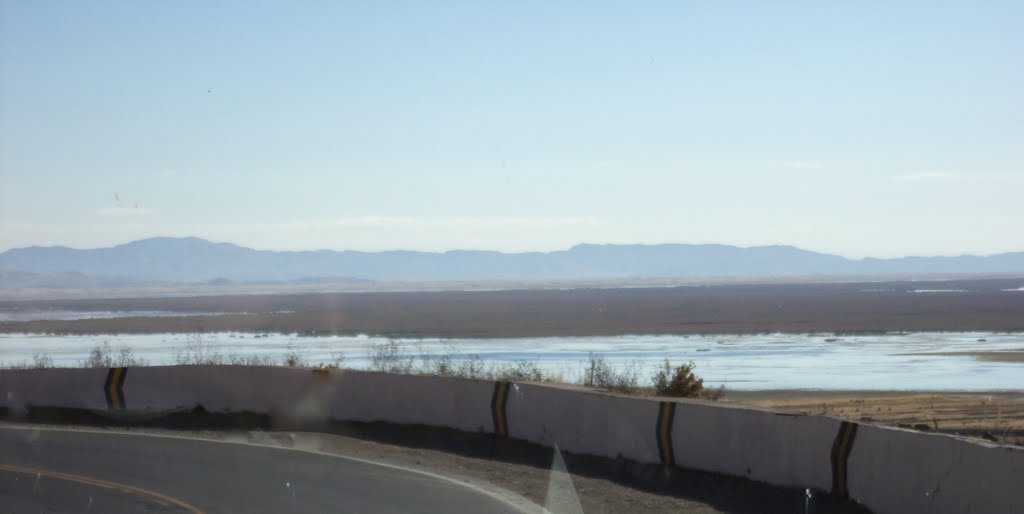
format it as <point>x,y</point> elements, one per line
<point>802,165</point>
<point>1007,174</point>
<point>924,176</point>
<point>390,222</point>
<point>124,211</point>
<point>373,233</point>
<point>936,176</point>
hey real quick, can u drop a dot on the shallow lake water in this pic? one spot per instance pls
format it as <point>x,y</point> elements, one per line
<point>744,362</point>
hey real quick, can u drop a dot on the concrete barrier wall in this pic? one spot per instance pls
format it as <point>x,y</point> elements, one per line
<point>162,389</point>
<point>342,395</point>
<point>435,401</point>
<point>75,388</point>
<point>894,470</point>
<point>584,422</point>
<point>887,469</point>
<point>219,388</point>
<point>784,450</point>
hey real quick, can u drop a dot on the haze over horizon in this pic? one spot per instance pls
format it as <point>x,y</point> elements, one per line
<point>855,129</point>
<point>552,250</point>
<point>193,260</point>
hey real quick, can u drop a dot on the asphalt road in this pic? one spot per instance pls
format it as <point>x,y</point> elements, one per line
<point>52,470</point>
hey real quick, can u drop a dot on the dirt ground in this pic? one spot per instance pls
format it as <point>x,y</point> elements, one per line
<point>988,304</point>
<point>993,416</point>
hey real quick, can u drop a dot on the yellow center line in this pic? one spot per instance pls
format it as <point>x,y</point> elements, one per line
<point>161,498</point>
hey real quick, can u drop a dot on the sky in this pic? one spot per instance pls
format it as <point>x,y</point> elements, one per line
<point>871,128</point>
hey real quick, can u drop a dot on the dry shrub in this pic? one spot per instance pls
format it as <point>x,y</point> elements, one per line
<point>682,382</point>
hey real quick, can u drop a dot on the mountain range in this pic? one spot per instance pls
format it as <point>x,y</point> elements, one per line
<point>194,260</point>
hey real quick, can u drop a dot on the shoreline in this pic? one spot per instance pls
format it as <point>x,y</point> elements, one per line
<point>197,325</point>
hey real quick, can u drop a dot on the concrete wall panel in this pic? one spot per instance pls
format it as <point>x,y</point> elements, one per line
<point>217,388</point>
<point>584,422</point>
<point>408,399</point>
<point>893,471</point>
<point>778,449</point>
<point>546,416</point>
<point>73,388</point>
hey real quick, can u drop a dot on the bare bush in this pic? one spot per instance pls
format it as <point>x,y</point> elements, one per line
<point>293,358</point>
<point>337,361</point>
<point>471,367</point>
<point>521,370</point>
<point>442,365</point>
<point>445,364</point>
<point>42,361</point>
<point>250,360</point>
<point>105,356</point>
<point>392,357</point>
<point>601,375</point>
<point>198,351</point>
<point>389,357</point>
<point>597,373</point>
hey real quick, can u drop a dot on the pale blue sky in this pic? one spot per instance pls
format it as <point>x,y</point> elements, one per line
<point>858,128</point>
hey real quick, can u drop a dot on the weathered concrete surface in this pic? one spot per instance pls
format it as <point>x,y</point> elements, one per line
<point>893,471</point>
<point>217,388</point>
<point>779,449</point>
<point>74,388</point>
<point>584,422</point>
<point>435,401</point>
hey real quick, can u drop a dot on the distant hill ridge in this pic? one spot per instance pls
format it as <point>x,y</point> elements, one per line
<point>192,259</point>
